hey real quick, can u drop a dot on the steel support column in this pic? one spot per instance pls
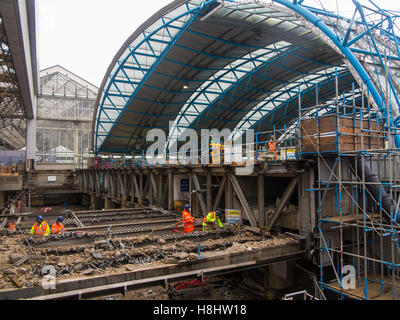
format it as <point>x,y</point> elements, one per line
<point>208,188</point>
<point>261,200</point>
<point>285,198</point>
<point>219,194</point>
<point>243,200</point>
<point>197,186</point>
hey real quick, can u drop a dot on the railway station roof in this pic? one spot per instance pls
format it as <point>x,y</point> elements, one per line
<point>230,64</point>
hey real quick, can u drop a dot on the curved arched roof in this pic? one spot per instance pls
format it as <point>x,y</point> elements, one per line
<point>233,64</point>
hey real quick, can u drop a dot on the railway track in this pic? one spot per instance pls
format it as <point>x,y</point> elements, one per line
<point>168,233</point>
<point>93,218</point>
<point>155,222</point>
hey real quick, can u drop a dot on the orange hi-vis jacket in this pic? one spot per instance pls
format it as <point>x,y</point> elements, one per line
<point>188,222</point>
<point>57,228</point>
<point>272,146</point>
<point>43,229</point>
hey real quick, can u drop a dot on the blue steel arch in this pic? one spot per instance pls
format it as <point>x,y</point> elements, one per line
<point>271,105</point>
<point>296,89</point>
<point>166,26</point>
<point>296,6</point>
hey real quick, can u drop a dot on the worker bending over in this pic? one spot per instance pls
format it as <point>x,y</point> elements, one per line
<point>41,227</point>
<point>58,227</point>
<point>211,220</point>
<point>188,221</point>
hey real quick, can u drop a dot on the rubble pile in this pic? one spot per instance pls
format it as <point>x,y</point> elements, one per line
<point>22,259</point>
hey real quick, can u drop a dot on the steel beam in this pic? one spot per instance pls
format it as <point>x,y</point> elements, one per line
<point>285,198</point>
<point>141,191</point>
<point>153,189</point>
<point>228,193</point>
<point>243,200</point>
<point>133,187</point>
<point>197,186</point>
<point>170,191</point>
<point>219,194</point>
<point>147,189</point>
<point>208,188</point>
<point>261,200</point>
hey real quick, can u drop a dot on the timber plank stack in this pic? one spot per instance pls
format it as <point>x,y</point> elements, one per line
<point>340,134</point>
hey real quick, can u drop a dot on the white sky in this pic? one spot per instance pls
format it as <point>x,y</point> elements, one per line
<point>83,36</point>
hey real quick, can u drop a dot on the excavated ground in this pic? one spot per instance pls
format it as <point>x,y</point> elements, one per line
<point>21,264</point>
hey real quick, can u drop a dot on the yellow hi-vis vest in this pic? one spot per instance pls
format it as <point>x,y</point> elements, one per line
<point>210,220</point>
<point>43,229</point>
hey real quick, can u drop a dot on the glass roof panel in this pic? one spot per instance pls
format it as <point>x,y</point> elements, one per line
<point>285,93</point>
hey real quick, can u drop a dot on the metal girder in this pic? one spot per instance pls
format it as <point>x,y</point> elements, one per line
<point>243,200</point>
<point>153,186</point>
<point>199,194</point>
<point>218,85</point>
<point>146,189</point>
<point>121,86</point>
<point>118,95</point>
<point>208,190</point>
<point>121,185</point>
<point>135,187</point>
<point>261,200</point>
<point>310,15</point>
<point>285,198</point>
<point>164,194</point>
<point>290,91</point>
<point>170,191</point>
<point>219,193</point>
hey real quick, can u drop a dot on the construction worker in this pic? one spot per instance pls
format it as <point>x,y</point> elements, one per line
<point>211,220</point>
<point>58,227</point>
<point>41,227</point>
<point>12,225</point>
<point>272,144</point>
<point>188,221</point>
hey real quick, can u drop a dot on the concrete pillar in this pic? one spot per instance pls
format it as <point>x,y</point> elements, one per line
<point>280,275</point>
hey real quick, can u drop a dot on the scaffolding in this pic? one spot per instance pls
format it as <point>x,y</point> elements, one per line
<point>358,181</point>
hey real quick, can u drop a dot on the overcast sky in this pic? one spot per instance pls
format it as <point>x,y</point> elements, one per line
<point>83,36</point>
